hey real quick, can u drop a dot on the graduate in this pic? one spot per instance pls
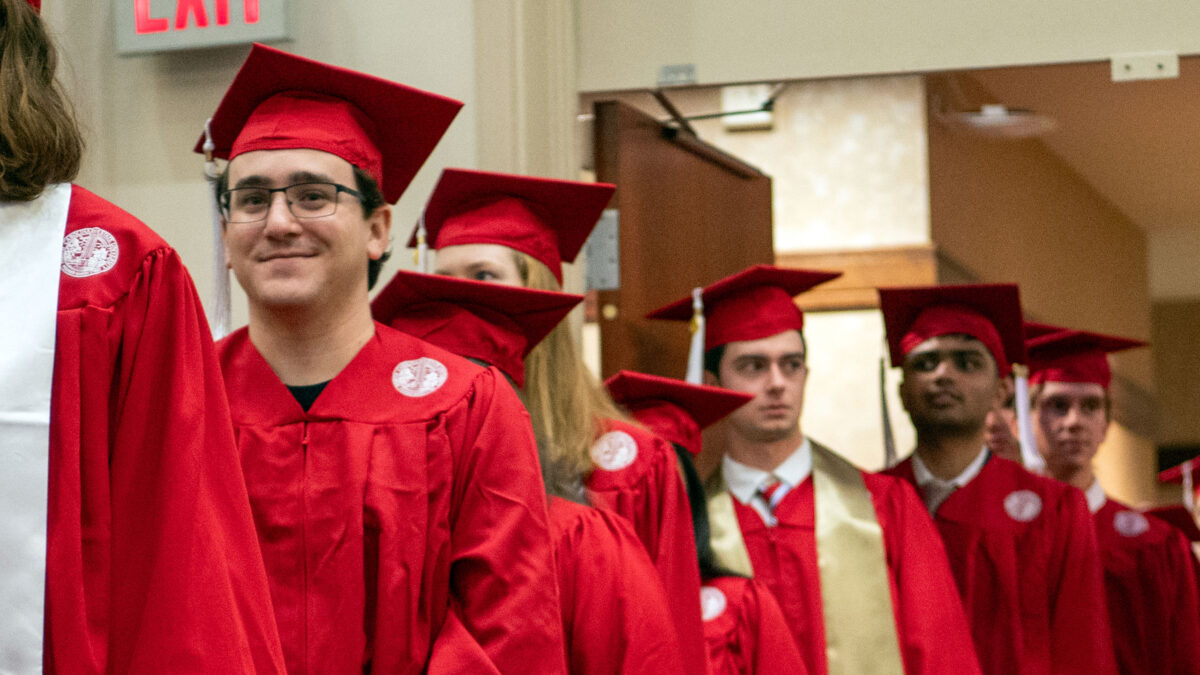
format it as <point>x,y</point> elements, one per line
<point>519,230</point>
<point>128,543</point>
<point>1148,565</point>
<point>1022,547</point>
<point>744,628</point>
<point>852,557</point>
<point>395,485</point>
<point>614,610</point>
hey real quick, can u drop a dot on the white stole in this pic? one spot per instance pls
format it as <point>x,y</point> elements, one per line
<point>31,241</point>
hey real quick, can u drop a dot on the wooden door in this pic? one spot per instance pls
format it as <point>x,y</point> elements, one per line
<point>689,214</point>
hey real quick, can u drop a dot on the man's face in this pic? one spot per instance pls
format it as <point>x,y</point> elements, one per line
<point>1001,428</point>
<point>774,370</point>
<point>950,384</point>
<point>1071,420</point>
<point>287,262</point>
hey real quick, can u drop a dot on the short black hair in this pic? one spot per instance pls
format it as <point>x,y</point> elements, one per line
<point>371,200</point>
<point>712,357</point>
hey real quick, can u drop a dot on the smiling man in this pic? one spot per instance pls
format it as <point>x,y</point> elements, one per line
<point>1021,546</point>
<point>395,486</point>
<point>851,556</point>
<point>1148,565</point>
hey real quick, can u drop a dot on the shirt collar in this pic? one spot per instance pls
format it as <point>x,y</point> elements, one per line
<point>924,476</point>
<point>1095,496</point>
<point>744,481</point>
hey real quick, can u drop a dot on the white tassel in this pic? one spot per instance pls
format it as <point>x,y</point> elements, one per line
<point>889,438</point>
<point>1029,451</point>
<point>1189,495</point>
<point>695,364</point>
<point>422,255</point>
<point>219,312</point>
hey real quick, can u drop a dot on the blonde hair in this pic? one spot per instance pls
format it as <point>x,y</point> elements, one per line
<point>565,400</point>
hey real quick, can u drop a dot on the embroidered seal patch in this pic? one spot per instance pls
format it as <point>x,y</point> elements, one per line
<point>1023,505</point>
<point>89,252</point>
<point>614,451</point>
<point>1130,523</point>
<point>712,602</point>
<point>419,377</point>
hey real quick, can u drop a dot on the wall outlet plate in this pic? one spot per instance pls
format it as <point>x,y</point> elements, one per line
<point>1145,66</point>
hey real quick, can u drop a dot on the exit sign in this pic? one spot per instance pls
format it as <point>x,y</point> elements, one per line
<point>163,25</point>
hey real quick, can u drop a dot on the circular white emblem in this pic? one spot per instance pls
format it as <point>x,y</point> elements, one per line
<point>614,451</point>
<point>1130,523</point>
<point>712,602</point>
<point>419,377</point>
<point>88,252</point>
<point>1023,505</point>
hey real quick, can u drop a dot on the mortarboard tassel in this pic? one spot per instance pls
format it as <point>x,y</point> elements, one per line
<point>889,439</point>
<point>695,364</point>
<point>1189,496</point>
<point>219,315</point>
<point>421,256</point>
<point>1030,457</point>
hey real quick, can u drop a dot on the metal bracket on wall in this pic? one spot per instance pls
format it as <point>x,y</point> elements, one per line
<point>603,253</point>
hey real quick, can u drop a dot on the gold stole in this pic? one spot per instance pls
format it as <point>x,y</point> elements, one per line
<point>860,629</point>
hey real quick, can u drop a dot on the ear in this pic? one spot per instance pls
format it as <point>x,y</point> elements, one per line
<point>900,389</point>
<point>380,224</point>
<point>1005,389</point>
<point>225,245</point>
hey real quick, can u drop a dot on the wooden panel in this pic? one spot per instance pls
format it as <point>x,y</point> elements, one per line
<point>689,215</point>
<point>862,272</point>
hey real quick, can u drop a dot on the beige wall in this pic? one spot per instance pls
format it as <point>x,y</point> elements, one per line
<point>1012,211</point>
<point>144,113</point>
<point>624,42</point>
<point>849,169</point>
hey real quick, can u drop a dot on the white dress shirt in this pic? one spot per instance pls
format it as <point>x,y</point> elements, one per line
<point>935,490</point>
<point>745,481</point>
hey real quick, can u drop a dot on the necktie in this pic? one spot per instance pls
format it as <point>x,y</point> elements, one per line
<point>936,492</point>
<point>771,493</point>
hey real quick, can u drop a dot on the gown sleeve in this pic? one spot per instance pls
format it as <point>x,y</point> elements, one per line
<point>502,574</point>
<point>615,612</point>
<point>932,625</point>
<point>1080,639</point>
<point>656,504</point>
<point>188,588</point>
<point>775,651</point>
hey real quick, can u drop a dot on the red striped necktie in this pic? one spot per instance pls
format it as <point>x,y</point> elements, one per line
<point>771,493</point>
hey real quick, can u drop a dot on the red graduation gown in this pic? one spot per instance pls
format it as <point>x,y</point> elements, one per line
<point>1149,575</point>
<point>393,502</point>
<point>151,561</point>
<point>930,625</point>
<point>614,612</point>
<point>649,492</point>
<point>745,631</point>
<point>1031,583</point>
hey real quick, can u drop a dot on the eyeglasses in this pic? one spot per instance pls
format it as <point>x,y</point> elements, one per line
<point>304,200</point>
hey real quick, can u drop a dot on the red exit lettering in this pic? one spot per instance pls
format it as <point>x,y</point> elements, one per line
<point>186,10</point>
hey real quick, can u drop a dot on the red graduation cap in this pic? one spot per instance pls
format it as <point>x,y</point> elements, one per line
<point>489,322</point>
<point>990,313</point>
<point>750,305</point>
<point>1035,329</point>
<point>673,409</point>
<point>1180,517</point>
<point>36,5</point>
<point>281,101</point>
<point>546,218</point>
<point>1074,356</point>
<point>1175,473</point>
